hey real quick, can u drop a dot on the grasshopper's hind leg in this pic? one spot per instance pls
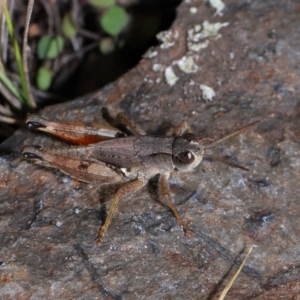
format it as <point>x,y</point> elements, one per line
<point>83,169</point>
<point>75,132</point>
<point>166,195</point>
<point>127,188</point>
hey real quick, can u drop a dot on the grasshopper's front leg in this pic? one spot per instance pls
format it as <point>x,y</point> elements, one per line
<point>127,188</point>
<point>75,132</point>
<point>166,195</point>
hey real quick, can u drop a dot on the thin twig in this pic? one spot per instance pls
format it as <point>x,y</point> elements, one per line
<point>24,53</point>
<point>50,16</point>
<point>4,38</point>
<point>69,57</point>
<point>8,120</point>
<point>5,110</point>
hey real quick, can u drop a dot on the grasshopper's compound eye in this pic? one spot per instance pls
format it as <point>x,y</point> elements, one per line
<point>185,158</point>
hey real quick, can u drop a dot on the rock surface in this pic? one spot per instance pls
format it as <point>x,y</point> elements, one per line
<point>49,221</point>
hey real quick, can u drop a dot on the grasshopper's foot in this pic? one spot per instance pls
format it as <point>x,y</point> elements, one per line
<point>188,233</point>
<point>186,230</point>
<point>100,235</point>
<point>98,241</point>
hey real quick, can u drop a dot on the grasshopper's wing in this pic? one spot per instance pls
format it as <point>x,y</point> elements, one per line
<point>78,167</point>
<point>75,132</point>
<point>120,152</point>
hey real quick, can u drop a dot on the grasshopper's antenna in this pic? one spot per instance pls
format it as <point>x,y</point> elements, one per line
<point>213,144</point>
<point>226,162</point>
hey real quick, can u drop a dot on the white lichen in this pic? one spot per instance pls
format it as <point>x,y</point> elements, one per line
<point>198,36</point>
<point>187,65</point>
<point>211,30</point>
<point>150,53</point>
<point>170,76</point>
<point>218,5</point>
<point>168,38</point>
<point>158,67</point>
<point>207,92</point>
<point>193,10</point>
<point>59,223</point>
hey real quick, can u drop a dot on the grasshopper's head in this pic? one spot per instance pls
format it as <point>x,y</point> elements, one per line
<point>187,152</point>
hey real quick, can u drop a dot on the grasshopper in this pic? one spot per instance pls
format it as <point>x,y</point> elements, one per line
<point>106,154</point>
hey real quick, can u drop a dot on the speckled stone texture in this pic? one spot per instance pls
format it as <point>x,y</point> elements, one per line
<point>49,222</point>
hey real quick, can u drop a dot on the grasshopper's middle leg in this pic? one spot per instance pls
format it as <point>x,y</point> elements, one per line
<point>181,128</point>
<point>184,127</point>
<point>130,124</point>
<point>165,193</point>
<point>127,188</point>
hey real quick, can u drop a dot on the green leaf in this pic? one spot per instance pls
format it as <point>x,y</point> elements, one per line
<point>43,45</point>
<point>102,3</point>
<point>114,20</point>
<point>50,47</point>
<point>43,78</point>
<point>68,26</point>
<point>55,47</point>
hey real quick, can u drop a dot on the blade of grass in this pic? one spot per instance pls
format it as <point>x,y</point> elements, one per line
<point>9,97</point>
<point>24,53</point>
<point>232,280</point>
<point>10,28</point>
<point>8,83</point>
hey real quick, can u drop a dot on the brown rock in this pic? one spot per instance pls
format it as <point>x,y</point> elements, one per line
<point>49,221</point>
